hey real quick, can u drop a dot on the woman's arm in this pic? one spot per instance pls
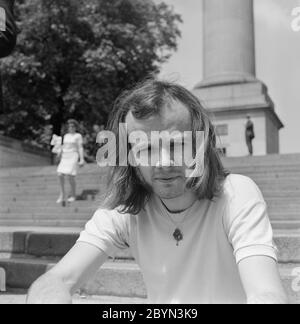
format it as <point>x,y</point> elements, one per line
<point>81,154</point>
<point>81,151</point>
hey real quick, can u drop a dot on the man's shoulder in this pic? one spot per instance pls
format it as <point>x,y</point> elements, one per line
<point>110,219</point>
<point>241,187</point>
<point>237,179</point>
<point>115,213</point>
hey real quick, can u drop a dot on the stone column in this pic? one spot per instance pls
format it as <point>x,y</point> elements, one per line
<point>229,89</point>
<point>229,50</point>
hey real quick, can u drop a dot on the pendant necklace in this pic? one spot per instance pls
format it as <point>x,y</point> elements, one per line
<point>178,234</point>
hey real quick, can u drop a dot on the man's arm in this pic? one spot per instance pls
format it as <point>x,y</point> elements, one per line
<point>8,30</point>
<point>261,281</point>
<point>58,285</point>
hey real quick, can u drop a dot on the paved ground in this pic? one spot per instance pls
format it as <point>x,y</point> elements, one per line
<point>15,298</point>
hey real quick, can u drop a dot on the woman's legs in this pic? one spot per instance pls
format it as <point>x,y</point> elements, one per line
<point>62,196</point>
<point>72,181</point>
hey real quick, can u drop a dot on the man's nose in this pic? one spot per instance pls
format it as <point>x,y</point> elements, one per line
<point>165,159</point>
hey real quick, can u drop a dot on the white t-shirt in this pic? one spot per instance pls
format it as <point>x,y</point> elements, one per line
<point>217,235</point>
<point>72,142</point>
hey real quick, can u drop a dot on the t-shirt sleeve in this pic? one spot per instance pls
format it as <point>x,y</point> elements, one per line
<point>108,230</point>
<point>247,222</point>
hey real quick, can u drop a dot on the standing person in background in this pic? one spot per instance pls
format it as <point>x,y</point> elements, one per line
<point>8,34</point>
<point>72,155</point>
<point>249,134</point>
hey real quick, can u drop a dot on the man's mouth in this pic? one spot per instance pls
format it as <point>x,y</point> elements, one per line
<point>167,179</point>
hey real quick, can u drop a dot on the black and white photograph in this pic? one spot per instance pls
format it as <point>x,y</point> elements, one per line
<point>149,154</point>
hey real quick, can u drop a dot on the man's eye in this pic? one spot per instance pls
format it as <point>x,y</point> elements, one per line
<point>177,144</point>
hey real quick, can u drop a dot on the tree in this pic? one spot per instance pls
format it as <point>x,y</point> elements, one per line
<point>74,57</point>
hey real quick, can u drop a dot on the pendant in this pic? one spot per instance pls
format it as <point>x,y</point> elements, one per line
<point>178,236</point>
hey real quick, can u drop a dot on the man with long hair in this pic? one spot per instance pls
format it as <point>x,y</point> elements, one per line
<point>200,239</point>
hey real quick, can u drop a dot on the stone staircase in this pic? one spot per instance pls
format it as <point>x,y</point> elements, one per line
<point>35,232</point>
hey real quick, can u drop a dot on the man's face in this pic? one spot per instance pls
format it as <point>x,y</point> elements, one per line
<point>167,182</point>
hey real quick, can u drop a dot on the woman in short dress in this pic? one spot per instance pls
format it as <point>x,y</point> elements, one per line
<point>71,157</point>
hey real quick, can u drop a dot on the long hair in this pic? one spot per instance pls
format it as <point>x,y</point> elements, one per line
<point>125,189</point>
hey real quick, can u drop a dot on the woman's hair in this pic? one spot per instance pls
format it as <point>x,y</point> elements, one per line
<point>73,122</point>
<point>125,189</point>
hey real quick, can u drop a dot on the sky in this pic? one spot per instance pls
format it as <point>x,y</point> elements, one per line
<point>277,58</point>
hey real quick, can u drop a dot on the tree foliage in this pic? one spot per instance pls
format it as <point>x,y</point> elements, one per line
<point>74,57</point>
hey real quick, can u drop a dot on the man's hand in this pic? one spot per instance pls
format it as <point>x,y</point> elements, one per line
<point>58,285</point>
<point>49,289</point>
<point>261,281</point>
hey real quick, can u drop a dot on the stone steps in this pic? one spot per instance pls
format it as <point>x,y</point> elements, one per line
<point>286,224</point>
<point>285,198</point>
<point>51,210</point>
<point>47,198</point>
<point>53,243</point>
<point>59,223</point>
<point>281,183</point>
<point>18,187</point>
<point>49,203</point>
<point>273,208</point>
<point>28,195</point>
<point>275,161</point>
<point>98,174</point>
<point>275,197</point>
<point>279,223</point>
<point>66,214</point>
<point>69,217</point>
<point>266,171</point>
<point>50,207</point>
<point>47,171</point>
<point>122,279</point>
<point>61,214</point>
<point>18,297</point>
<point>284,216</point>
